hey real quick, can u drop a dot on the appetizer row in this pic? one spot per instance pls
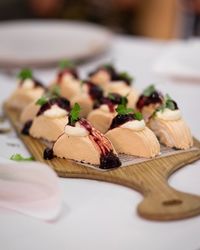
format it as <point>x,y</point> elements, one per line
<point>87,92</point>
<point>94,120</point>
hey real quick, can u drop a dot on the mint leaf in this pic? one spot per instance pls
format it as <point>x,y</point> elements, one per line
<point>125,76</point>
<point>74,114</point>
<point>124,100</point>
<point>41,101</point>
<point>52,93</point>
<point>161,108</point>
<point>65,64</point>
<point>138,116</point>
<point>168,97</point>
<point>18,157</point>
<point>55,91</point>
<point>25,74</point>
<point>122,110</point>
<point>108,66</point>
<point>169,103</point>
<point>149,90</point>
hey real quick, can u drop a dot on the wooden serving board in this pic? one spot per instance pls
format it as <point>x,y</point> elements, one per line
<point>161,202</point>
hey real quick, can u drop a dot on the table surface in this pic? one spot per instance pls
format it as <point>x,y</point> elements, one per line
<point>98,215</point>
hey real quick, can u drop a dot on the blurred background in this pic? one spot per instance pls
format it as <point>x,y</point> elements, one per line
<point>161,19</point>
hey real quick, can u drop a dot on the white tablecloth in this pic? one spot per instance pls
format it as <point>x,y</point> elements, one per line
<point>100,215</point>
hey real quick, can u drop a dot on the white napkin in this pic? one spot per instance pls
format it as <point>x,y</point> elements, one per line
<point>179,59</point>
<point>30,188</point>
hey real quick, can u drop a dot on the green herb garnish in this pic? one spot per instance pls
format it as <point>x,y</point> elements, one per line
<point>25,74</point>
<point>167,103</point>
<point>53,93</point>
<point>149,90</point>
<point>170,105</point>
<point>65,64</point>
<point>123,110</point>
<point>108,65</point>
<point>138,116</point>
<point>126,76</point>
<point>41,101</point>
<point>124,100</point>
<point>74,113</point>
<point>18,157</point>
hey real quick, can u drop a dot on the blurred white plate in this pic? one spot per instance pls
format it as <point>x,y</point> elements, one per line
<point>180,59</point>
<point>25,43</point>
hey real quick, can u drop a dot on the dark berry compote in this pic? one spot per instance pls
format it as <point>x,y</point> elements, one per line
<point>111,101</point>
<point>48,154</point>
<point>112,72</point>
<point>60,101</point>
<point>153,98</point>
<point>67,71</point>
<point>119,119</point>
<point>36,83</point>
<point>26,127</point>
<point>39,84</point>
<point>94,91</point>
<point>107,68</point>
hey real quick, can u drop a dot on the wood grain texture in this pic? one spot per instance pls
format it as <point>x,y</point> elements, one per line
<point>161,202</point>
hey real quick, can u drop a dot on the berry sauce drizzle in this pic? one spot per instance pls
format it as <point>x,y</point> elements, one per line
<point>60,101</point>
<point>26,128</point>
<point>71,71</point>
<point>154,98</point>
<point>108,159</point>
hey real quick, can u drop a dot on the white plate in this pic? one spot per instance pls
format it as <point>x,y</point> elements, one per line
<point>25,43</point>
<point>180,59</point>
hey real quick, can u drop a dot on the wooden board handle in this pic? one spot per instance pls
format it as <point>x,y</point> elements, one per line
<point>168,204</point>
<point>162,202</point>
